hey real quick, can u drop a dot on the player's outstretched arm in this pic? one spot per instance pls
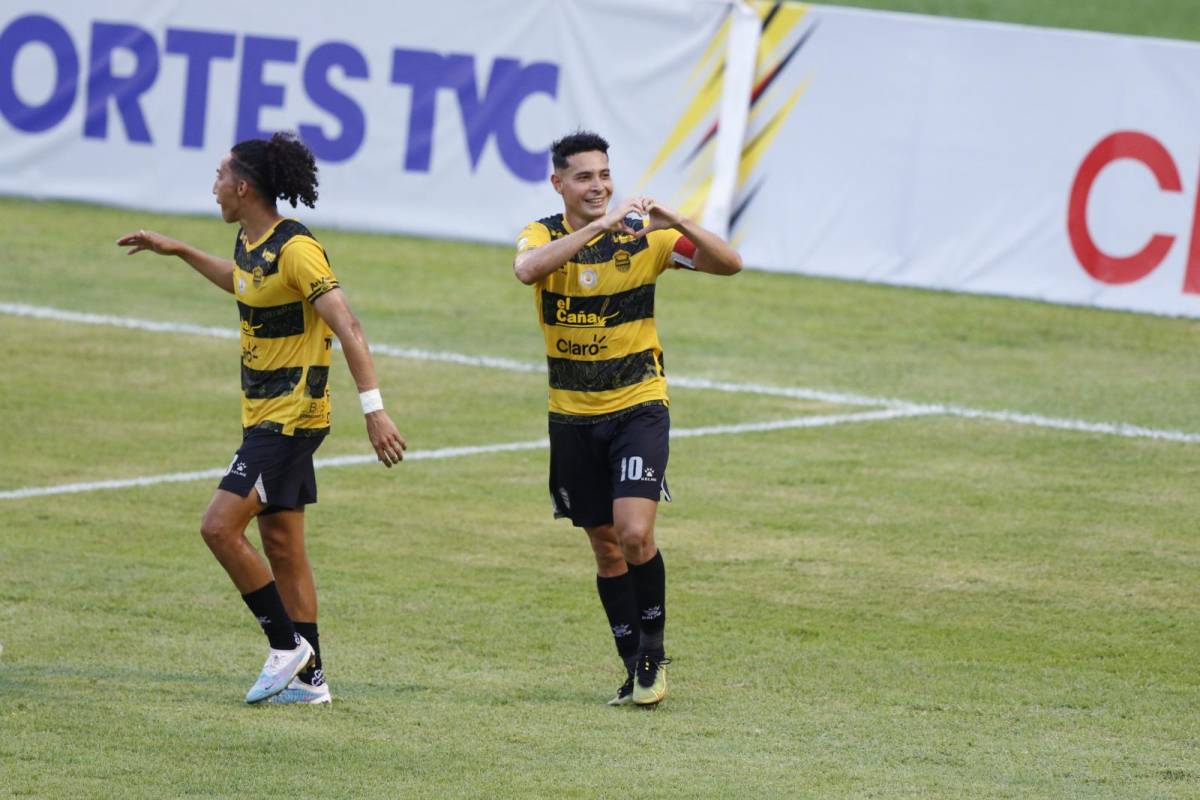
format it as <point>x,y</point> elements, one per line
<point>530,266</point>
<point>713,254</point>
<point>334,308</point>
<point>217,270</point>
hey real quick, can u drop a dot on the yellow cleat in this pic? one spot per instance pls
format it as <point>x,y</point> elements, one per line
<point>650,684</point>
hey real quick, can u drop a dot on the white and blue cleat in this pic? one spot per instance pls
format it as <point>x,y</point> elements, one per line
<point>277,673</point>
<point>300,693</point>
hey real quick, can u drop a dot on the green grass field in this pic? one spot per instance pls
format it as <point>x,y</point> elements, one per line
<point>934,606</point>
<point>921,607</point>
<point>1172,19</point>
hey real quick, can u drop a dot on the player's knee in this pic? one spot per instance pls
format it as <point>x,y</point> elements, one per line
<point>275,554</point>
<point>634,536</point>
<point>610,559</point>
<point>282,556</point>
<point>274,545</point>
<point>216,531</point>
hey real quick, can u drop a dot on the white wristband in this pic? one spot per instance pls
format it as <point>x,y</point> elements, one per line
<point>371,401</point>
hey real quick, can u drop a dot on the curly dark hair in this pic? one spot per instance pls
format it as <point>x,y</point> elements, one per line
<point>577,142</point>
<point>281,167</point>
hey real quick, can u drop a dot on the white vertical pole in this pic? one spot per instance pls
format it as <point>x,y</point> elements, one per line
<point>741,56</point>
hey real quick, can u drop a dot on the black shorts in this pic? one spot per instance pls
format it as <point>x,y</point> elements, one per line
<point>622,455</point>
<point>279,468</point>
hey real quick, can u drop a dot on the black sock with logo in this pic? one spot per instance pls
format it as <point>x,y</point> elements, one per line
<point>620,605</point>
<point>267,607</point>
<point>650,587</point>
<point>314,673</point>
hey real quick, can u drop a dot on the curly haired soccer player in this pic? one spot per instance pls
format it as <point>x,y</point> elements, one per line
<point>594,272</point>
<point>290,307</point>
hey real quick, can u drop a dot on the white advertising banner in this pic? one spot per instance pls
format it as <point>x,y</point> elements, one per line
<point>976,157</point>
<point>427,118</point>
<point>904,149</point>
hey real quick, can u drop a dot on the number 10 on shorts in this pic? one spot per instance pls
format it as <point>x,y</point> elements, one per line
<point>631,468</point>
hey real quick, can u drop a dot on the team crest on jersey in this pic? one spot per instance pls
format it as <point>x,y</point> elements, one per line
<point>622,260</point>
<point>587,278</point>
<point>257,276</point>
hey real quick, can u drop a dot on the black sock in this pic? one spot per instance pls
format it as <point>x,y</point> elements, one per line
<point>314,673</point>
<point>650,587</point>
<point>267,607</point>
<point>617,597</point>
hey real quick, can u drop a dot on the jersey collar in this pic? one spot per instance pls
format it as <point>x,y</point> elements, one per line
<point>264,237</point>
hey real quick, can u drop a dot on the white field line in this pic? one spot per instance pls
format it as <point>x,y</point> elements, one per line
<point>459,452</point>
<point>1123,429</point>
<point>61,315</point>
<point>822,421</point>
<point>512,365</point>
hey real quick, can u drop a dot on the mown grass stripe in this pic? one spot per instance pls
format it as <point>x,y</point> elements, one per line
<point>1122,429</point>
<point>457,452</point>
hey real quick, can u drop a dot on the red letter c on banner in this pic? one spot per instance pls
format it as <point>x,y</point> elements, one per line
<point>1101,266</point>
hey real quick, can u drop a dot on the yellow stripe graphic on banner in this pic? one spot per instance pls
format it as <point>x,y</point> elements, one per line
<point>696,182</point>
<point>698,116</point>
<point>693,204</point>
<point>786,19</point>
<point>702,104</point>
<point>716,48</point>
<point>757,147</point>
<point>781,27</point>
<point>759,108</point>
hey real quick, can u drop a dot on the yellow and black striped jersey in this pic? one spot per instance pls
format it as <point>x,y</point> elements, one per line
<point>286,346</point>
<point>597,317</point>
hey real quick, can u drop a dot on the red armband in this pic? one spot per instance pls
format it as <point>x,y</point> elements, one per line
<point>683,252</point>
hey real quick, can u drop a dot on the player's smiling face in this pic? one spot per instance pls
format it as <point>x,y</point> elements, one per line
<point>585,185</point>
<point>226,190</point>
